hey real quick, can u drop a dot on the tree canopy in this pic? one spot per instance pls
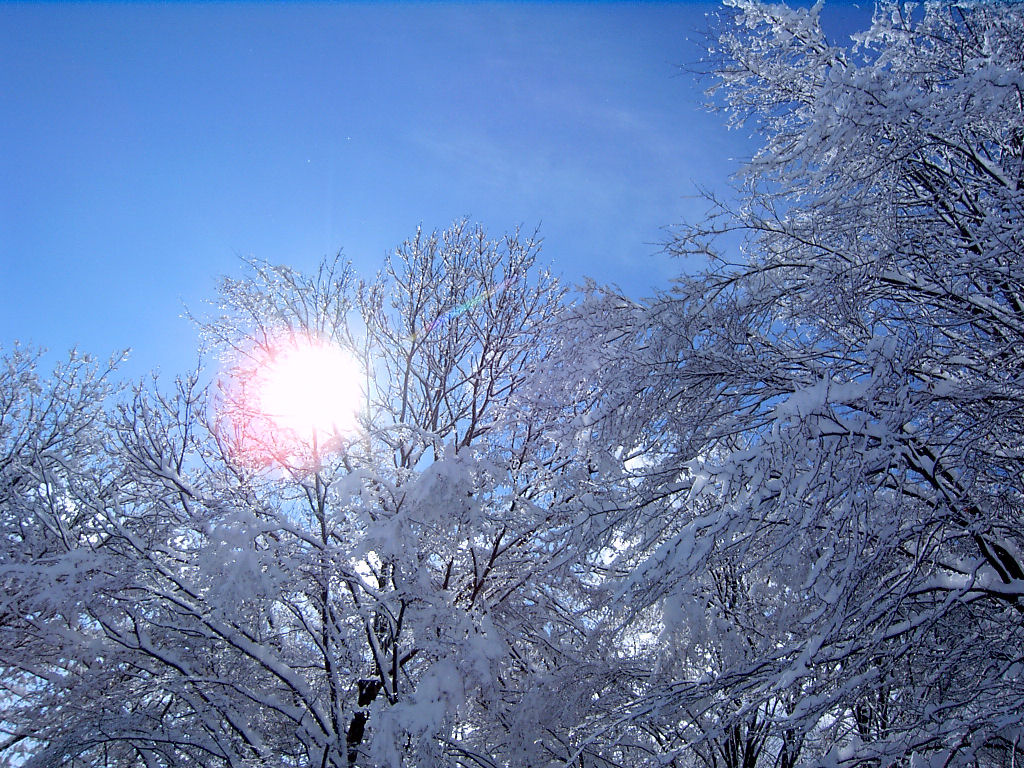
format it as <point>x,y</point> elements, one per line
<point>768,518</point>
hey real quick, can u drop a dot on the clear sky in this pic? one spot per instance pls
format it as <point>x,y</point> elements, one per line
<point>145,147</point>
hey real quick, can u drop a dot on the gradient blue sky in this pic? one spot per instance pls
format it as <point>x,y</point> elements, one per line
<point>143,148</point>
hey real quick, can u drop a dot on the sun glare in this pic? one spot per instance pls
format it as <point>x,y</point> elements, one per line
<point>311,388</point>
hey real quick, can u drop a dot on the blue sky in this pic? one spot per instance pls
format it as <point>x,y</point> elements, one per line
<point>145,147</point>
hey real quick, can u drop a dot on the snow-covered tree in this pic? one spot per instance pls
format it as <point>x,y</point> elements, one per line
<point>771,518</point>
<point>834,481</point>
<point>255,593</point>
<point>55,495</point>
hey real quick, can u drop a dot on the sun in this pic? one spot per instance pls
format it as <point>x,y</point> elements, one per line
<point>312,388</point>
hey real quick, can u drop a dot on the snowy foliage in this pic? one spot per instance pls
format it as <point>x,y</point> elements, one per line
<point>769,518</point>
<point>196,589</point>
<point>839,567</point>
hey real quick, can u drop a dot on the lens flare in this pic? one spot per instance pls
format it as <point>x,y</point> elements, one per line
<point>466,306</point>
